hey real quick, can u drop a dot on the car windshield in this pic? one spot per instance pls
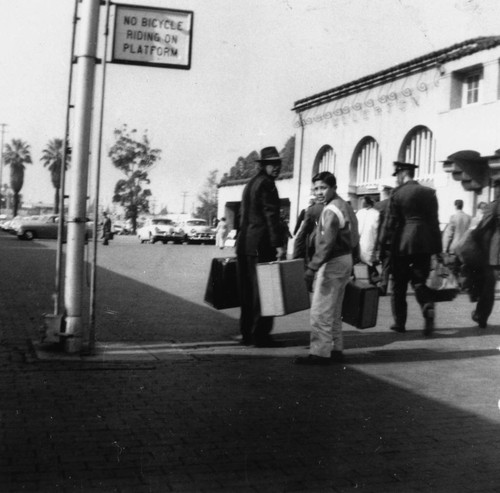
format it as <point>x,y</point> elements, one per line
<point>197,223</point>
<point>162,221</point>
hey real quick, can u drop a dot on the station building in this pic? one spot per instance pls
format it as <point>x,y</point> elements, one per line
<point>440,111</point>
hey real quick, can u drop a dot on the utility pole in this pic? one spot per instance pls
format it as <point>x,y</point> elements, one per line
<point>85,81</point>
<point>3,125</point>
<point>184,195</point>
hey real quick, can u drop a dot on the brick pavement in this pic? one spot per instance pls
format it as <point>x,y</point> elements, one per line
<point>405,414</point>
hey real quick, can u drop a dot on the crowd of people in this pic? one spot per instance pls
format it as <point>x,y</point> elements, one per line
<point>400,235</point>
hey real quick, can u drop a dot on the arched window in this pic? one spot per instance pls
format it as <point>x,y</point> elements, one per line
<point>367,162</point>
<point>325,160</point>
<point>419,148</point>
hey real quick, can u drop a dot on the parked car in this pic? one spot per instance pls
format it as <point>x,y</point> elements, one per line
<point>44,227</point>
<point>121,228</point>
<point>196,230</point>
<point>159,229</point>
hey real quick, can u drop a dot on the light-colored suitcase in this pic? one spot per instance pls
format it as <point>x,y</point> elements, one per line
<point>282,288</point>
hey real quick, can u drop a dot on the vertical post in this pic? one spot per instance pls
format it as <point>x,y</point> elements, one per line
<point>75,260</point>
<point>93,276</point>
<point>3,125</point>
<point>62,189</point>
<point>299,184</point>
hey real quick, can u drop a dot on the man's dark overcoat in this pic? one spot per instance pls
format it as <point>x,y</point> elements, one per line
<point>259,232</point>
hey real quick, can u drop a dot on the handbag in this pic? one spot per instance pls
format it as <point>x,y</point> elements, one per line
<point>442,283</point>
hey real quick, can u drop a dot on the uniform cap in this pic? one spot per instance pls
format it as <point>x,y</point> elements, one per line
<point>400,166</point>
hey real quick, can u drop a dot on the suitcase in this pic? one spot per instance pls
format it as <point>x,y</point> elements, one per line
<point>360,306</point>
<point>222,286</point>
<point>282,288</point>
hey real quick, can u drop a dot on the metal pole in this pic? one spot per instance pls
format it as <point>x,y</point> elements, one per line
<point>58,304</point>
<point>93,275</point>
<point>75,258</point>
<point>3,125</point>
<point>299,184</point>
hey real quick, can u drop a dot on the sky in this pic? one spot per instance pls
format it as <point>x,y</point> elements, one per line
<point>251,60</point>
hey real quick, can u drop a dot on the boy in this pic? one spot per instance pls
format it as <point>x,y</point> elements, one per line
<point>331,265</point>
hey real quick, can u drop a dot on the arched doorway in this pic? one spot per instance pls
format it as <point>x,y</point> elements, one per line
<point>419,148</point>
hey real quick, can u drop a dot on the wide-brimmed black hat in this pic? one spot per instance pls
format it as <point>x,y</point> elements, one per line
<point>400,166</point>
<point>269,154</point>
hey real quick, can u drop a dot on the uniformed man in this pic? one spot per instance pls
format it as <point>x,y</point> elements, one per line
<point>412,229</point>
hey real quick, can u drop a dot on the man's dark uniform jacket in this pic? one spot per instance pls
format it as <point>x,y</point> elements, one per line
<point>412,224</point>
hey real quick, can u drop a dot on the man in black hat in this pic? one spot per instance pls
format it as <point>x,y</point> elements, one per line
<point>259,240</point>
<point>412,230</point>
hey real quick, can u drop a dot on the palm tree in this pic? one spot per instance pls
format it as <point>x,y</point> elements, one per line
<point>17,155</point>
<point>52,157</point>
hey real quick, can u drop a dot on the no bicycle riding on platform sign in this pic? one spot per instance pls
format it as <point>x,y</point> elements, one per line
<point>151,36</point>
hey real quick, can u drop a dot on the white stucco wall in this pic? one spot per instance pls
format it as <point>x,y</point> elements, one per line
<point>387,113</point>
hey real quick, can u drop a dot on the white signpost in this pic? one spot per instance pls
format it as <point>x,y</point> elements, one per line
<point>152,36</point>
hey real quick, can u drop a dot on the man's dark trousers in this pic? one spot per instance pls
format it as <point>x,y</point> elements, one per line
<point>253,327</point>
<point>405,269</point>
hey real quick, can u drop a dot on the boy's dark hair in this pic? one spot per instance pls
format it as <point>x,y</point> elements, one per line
<point>459,204</point>
<point>327,177</point>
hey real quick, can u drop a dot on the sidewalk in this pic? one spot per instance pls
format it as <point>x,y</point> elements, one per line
<point>202,414</point>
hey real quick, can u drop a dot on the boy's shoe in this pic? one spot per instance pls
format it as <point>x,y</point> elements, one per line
<point>312,359</point>
<point>398,328</point>
<point>337,357</point>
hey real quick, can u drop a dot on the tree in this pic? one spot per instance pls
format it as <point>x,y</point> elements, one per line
<point>52,157</point>
<point>134,158</point>
<point>208,198</point>
<point>287,156</point>
<point>17,154</point>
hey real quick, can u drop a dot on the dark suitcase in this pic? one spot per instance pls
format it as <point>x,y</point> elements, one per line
<point>360,306</point>
<point>222,286</point>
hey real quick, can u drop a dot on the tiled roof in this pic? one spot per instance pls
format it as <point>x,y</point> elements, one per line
<point>435,58</point>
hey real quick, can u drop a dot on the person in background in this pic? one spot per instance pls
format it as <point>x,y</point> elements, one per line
<point>488,233</point>
<point>302,215</point>
<point>479,214</point>
<point>368,221</point>
<point>457,226</point>
<point>285,231</point>
<point>331,265</point>
<point>106,228</point>
<point>221,233</point>
<point>259,240</point>
<point>384,250</point>
<point>412,228</point>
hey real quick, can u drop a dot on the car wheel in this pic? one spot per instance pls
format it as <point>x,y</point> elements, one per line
<point>28,235</point>
<point>151,239</point>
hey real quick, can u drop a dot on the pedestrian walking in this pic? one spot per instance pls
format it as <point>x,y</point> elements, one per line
<point>106,229</point>
<point>457,226</point>
<point>412,229</point>
<point>331,265</point>
<point>384,249</point>
<point>484,277</point>
<point>221,233</point>
<point>368,221</point>
<point>259,240</point>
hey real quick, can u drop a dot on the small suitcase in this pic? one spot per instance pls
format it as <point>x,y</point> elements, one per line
<point>282,288</point>
<point>360,306</point>
<point>222,286</point>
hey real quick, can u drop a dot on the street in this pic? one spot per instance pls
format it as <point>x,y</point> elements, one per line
<point>403,414</point>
